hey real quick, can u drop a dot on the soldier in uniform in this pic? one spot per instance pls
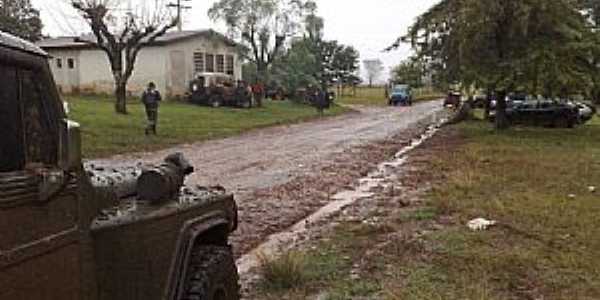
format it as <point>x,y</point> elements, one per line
<point>151,99</point>
<point>321,101</point>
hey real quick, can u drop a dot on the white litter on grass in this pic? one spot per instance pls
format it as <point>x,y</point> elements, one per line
<point>480,224</point>
<point>66,107</point>
<point>572,196</point>
<point>592,189</point>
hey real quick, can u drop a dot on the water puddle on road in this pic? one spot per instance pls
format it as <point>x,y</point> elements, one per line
<point>285,240</point>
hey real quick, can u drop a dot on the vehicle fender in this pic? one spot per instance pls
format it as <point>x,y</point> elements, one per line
<point>190,232</point>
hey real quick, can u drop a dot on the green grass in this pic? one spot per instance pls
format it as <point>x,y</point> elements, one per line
<point>375,96</point>
<point>323,269</point>
<point>106,133</point>
<point>546,246</point>
<point>288,271</point>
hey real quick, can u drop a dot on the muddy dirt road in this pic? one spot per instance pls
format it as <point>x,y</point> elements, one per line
<point>282,174</point>
<point>272,156</point>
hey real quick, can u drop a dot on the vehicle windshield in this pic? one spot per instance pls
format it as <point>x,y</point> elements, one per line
<point>403,90</point>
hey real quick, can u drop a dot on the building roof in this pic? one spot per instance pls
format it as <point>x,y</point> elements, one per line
<point>10,41</point>
<point>168,38</point>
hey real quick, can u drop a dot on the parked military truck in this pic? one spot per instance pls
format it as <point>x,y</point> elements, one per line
<point>74,232</point>
<point>216,90</point>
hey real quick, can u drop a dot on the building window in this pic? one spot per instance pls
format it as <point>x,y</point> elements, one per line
<point>210,63</point>
<point>220,63</point>
<point>198,62</point>
<point>229,65</point>
<point>59,63</point>
<point>71,63</point>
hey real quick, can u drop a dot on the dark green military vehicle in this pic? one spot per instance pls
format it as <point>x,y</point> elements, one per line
<point>97,232</point>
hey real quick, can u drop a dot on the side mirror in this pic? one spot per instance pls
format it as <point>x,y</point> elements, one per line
<point>70,146</point>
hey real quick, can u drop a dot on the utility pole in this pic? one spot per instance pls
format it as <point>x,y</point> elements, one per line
<point>180,7</point>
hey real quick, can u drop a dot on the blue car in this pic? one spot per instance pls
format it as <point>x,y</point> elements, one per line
<point>400,95</point>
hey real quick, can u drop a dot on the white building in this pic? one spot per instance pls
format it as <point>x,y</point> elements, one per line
<point>171,62</point>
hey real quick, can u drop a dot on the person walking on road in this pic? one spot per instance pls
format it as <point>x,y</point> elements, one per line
<point>151,99</point>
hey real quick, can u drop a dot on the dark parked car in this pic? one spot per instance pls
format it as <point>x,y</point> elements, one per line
<point>542,113</point>
<point>400,95</point>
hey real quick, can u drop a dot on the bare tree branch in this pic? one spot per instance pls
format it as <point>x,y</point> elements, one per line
<point>122,41</point>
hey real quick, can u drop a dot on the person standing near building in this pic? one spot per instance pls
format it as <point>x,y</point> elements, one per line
<point>258,90</point>
<point>151,99</point>
<point>321,101</point>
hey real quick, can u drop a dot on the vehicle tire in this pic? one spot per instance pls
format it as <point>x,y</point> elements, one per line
<point>212,274</point>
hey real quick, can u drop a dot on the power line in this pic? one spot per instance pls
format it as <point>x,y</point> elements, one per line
<point>180,7</point>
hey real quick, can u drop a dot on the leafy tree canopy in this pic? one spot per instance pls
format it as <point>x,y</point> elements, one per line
<point>310,60</point>
<point>262,25</point>
<point>19,18</point>
<point>409,71</point>
<point>534,45</point>
<point>503,43</point>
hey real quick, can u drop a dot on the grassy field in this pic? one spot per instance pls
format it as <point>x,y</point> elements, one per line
<point>375,96</point>
<point>533,181</point>
<point>106,133</point>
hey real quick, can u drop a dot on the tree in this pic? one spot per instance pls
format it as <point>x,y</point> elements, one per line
<point>503,45</point>
<point>409,71</point>
<point>262,25</point>
<point>19,18</point>
<point>373,67</point>
<point>314,61</point>
<point>122,42</point>
<point>344,66</point>
<point>591,11</point>
<point>297,68</point>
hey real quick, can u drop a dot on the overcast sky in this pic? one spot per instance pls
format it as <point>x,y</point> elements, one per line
<point>368,25</point>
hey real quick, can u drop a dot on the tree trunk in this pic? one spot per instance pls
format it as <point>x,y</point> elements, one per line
<point>121,95</point>
<point>261,78</point>
<point>595,94</point>
<point>501,119</point>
